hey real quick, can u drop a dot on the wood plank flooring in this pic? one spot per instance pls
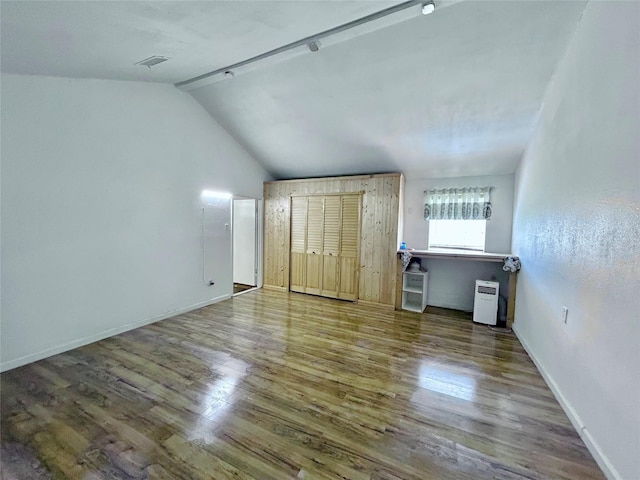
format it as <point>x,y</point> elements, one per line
<point>272,385</point>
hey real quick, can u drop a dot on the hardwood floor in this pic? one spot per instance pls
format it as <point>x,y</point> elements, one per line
<point>241,287</point>
<point>270,385</point>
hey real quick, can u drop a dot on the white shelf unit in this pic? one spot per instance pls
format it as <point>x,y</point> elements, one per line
<point>414,291</point>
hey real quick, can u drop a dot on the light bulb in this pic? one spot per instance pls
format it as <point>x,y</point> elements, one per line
<point>428,8</point>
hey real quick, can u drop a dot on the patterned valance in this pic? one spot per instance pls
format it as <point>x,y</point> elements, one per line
<point>471,203</point>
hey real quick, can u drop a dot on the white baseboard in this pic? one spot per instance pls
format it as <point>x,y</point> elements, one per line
<point>592,445</point>
<point>18,362</point>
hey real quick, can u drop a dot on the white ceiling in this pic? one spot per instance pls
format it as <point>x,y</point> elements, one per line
<point>103,39</point>
<point>454,93</point>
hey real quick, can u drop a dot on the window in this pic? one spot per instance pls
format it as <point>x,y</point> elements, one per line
<point>458,217</point>
<point>463,234</point>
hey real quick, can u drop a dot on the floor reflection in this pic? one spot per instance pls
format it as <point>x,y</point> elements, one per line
<point>439,378</point>
<point>218,398</point>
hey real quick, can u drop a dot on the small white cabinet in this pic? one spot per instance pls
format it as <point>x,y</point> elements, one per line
<point>414,291</point>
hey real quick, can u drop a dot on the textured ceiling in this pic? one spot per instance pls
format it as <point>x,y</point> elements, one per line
<point>455,93</point>
<point>103,39</point>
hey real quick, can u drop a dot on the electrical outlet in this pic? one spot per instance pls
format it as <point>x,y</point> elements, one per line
<point>565,312</point>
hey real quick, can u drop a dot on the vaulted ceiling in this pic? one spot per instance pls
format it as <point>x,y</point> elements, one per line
<point>453,93</point>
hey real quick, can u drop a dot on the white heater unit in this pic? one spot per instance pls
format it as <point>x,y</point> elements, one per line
<point>485,303</point>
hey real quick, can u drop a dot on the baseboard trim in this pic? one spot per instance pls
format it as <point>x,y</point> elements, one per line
<point>276,288</point>
<point>19,362</point>
<point>598,455</point>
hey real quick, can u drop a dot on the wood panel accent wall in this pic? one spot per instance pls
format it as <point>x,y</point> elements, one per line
<point>379,237</point>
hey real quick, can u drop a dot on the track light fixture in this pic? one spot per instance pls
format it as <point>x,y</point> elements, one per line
<point>314,45</point>
<point>428,7</point>
<point>389,16</point>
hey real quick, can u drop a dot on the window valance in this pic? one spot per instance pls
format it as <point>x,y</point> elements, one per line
<point>470,203</point>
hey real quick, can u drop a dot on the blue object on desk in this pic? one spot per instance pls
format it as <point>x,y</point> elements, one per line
<point>403,246</point>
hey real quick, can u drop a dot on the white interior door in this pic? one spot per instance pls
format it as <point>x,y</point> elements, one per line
<point>244,241</point>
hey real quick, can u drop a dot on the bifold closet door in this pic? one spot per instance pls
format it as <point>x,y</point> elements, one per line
<point>349,243</point>
<point>325,235</point>
<point>298,261</point>
<point>330,246</point>
<point>315,226</point>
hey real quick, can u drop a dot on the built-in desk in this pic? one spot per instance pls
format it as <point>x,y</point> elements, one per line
<point>462,255</point>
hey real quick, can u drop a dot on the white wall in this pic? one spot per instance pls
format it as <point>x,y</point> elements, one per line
<point>576,229</point>
<point>451,282</point>
<point>101,209</point>
<point>216,236</point>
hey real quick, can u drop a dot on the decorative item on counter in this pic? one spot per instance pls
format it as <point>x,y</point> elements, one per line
<point>403,246</point>
<point>405,256</point>
<point>511,264</point>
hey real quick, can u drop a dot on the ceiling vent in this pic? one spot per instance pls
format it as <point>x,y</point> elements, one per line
<point>152,61</point>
